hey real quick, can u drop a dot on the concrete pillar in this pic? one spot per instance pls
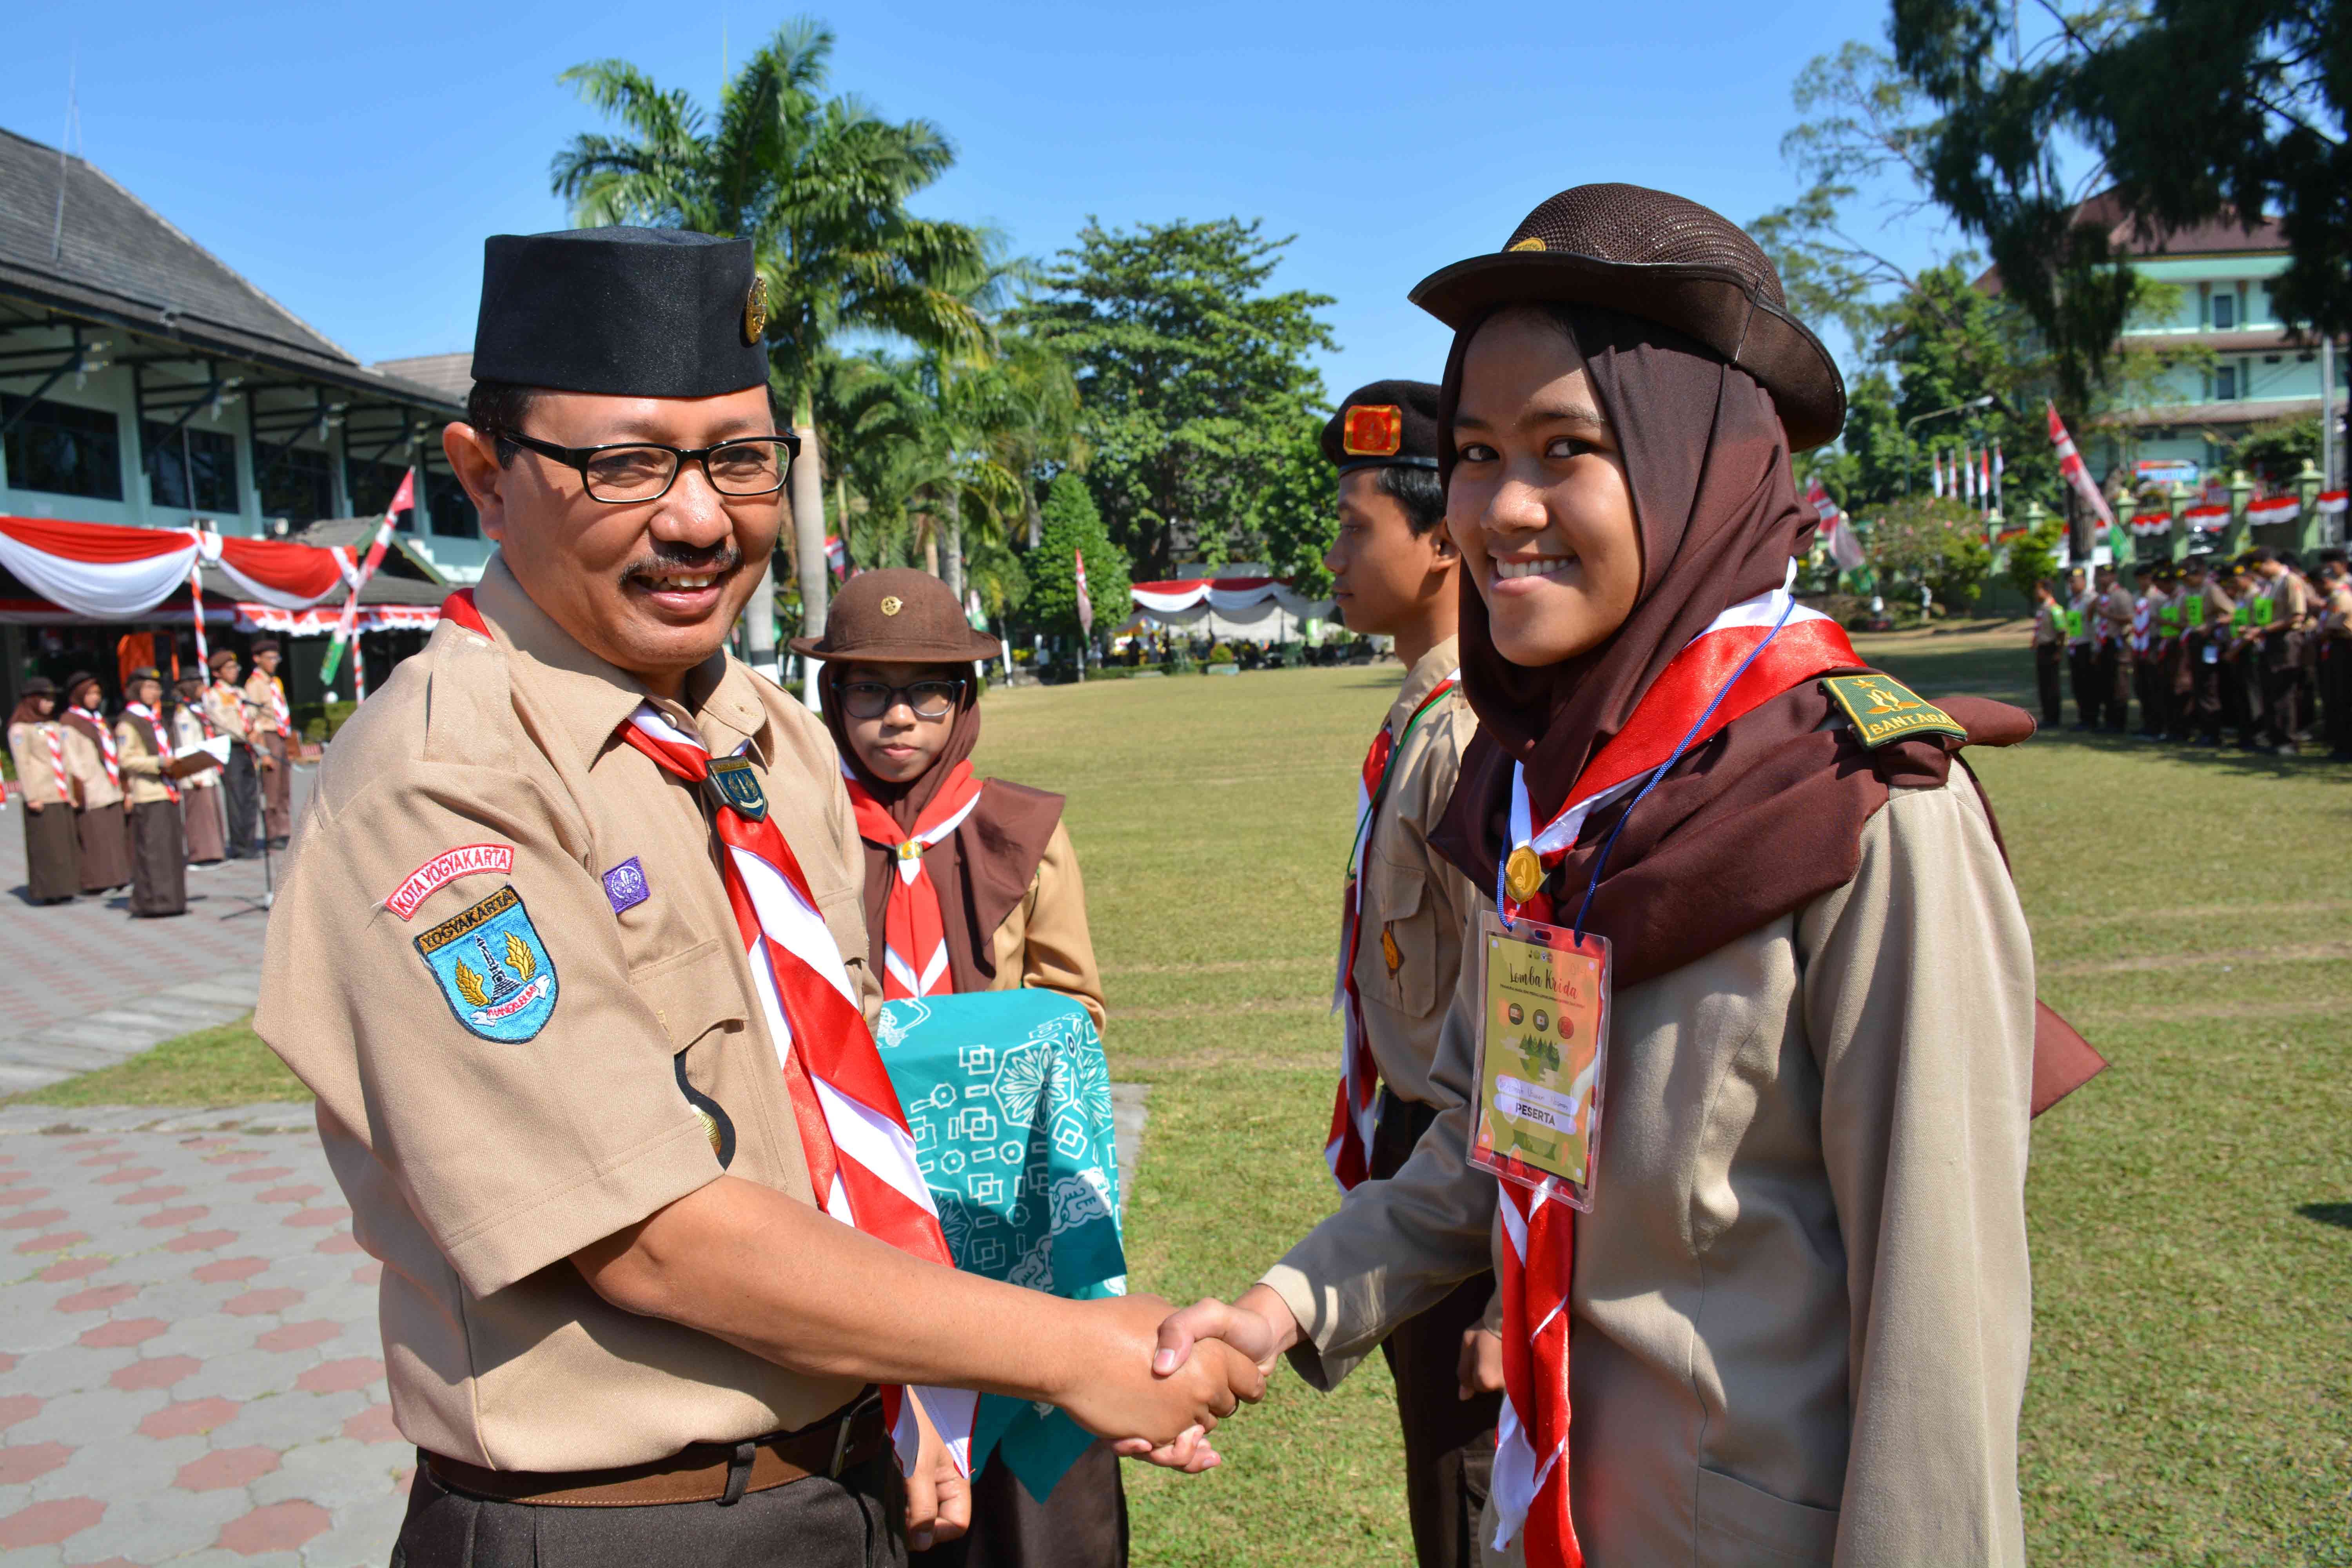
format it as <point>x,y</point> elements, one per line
<point>2309,533</point>
<point>2242,491</point>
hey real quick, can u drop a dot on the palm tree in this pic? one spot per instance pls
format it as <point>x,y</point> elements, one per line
<point>820,186</point>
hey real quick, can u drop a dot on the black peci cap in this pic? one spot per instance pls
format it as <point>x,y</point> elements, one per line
<point>628,312</point>
<point>1388,425</point>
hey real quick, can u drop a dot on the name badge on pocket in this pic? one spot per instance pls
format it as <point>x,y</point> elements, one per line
<point>1543,1048</point>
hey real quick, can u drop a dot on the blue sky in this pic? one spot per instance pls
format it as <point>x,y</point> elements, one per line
<point>349,160</point>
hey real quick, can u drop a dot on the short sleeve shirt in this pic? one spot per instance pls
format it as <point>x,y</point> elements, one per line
<point>504,960</point>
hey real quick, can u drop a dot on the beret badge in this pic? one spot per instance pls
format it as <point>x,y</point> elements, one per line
<point>1374,430</point>
<point>892,605</point>
<point>755,310</point>
<point>1530,243</point>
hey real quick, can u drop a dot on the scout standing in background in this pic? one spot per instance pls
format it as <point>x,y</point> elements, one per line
<point>158,845</point>
<point>200,792</point>
<point>572,954</point>
<point>36,741</point>
<point>1395,573</point>
<point>225,711</point>
<point>970,885</point>
<point>2049,653</point>
<point>97,768</point>
<point>2335,637</point>
<point>272,732</point>
<point>2113,613</point>
<point>2082,654</point>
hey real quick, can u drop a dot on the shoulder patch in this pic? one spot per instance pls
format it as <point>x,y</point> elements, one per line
<point>1882,708</point>
<point>445,868</point>
<point>493,968</point>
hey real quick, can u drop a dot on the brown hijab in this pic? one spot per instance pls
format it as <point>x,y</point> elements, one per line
<point>981,869</point>
<point>1767,814</point>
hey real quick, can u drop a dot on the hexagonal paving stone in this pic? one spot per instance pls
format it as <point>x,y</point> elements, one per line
<point>123,1331</point>
<point>341,1376</point>
<point>52,1522</point>
<point>253,1303</point>
<point>156,1371</point>
<point>280,1527</point>
<point>188,1418</point>
<point>230,1270</point>
<point>31,1461</point>
<point>227,1467</point>
<point>307,1336</point>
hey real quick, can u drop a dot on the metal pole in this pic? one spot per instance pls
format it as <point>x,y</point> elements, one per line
<point>2327,414</point>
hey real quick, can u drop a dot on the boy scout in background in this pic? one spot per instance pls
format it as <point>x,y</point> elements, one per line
<point>225,710</point>
<point>588,1145</point>
<point>2205,620</point>
<point>1395,574</point>
<point>271,726</point>
<point>2112,609</point>
<point>2082,659</point>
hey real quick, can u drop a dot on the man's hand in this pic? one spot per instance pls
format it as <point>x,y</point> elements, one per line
<point>939,1496</point>
<point>1165,1416</point>
<point>1481,1367</point>
<point>1255,1330</point>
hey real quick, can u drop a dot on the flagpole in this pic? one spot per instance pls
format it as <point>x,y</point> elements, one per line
<point>347,624</point>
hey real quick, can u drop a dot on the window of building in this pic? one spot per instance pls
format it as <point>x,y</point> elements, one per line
<point>454,516</point>
<point>299,484</point>
<point>60,447</point>
<point>189,467</point>
<point>2225,312</point>
<point>371,487</point>
<point>2225,383</point>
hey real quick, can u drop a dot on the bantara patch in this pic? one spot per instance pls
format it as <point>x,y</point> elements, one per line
<point>1882,708</point>
<point>493,968</point>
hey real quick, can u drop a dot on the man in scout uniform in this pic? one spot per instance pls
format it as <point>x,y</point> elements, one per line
<point>2242,660</point>
<point>570,954</point>
<point>271,728</point>
<point>1395,573</point>
<point>2112,611</point>
<point>225,707</point>
<point>2049,652</point>
<point>2082,671</point>
<point>2281,632</point>
<point>158,845</point>
<point>2205,615</point>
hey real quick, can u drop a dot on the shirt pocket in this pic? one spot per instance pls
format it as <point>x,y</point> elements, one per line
<point>1739,1525</point>
<point>1396,955</point>
<point>693,992</point>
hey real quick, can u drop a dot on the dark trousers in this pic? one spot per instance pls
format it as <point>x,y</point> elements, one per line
<point>2336,693</point>
<point>1449,1441</point>
<point>159,860</point>
<point>2205,692</point>
<point>2283,695</point>
<point>816,1522</point>
<point>2241,690</point>
<point>1082,1525</point>
<point>2111,684</point>
<point>2047,658</point>
<point>244,800</point>
<point>2083,675</point>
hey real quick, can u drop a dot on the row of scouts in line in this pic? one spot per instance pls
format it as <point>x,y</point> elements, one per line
<point>575,884</point>
<point>2254,643</point>
<point>107,807</point>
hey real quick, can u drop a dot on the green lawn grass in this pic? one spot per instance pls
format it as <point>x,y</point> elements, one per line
<point>2191,1398</point>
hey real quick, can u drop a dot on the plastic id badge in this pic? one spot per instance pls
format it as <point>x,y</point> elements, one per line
<point>1543,1048</point>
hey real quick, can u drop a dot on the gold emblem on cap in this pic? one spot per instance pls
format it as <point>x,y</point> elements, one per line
<point>755,310</point>
<point>1523,875</point>
<point>892,605</point>
<point>1530,243</point>
<point>1372,430</point>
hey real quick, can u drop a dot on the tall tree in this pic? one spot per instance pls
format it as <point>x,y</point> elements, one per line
<point>1192,378</point>
<point>1073,527</point>
<point>819,186</point>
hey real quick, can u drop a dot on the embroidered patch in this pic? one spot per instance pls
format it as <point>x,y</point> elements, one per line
<point>466,860</point>
<point>624,886</point>
<point>493,968</point>
<point>1882,708</point>
<point>739,787</point>
<point>1372,430</point>
<point>716,1125</point>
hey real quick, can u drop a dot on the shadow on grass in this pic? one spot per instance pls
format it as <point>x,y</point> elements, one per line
<point>2337,1214</point>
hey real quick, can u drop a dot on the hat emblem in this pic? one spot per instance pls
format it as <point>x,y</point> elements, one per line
<point>1374,430</point>
<point>1530,243</point>
<point>755,310</point>
<point>892,605</point>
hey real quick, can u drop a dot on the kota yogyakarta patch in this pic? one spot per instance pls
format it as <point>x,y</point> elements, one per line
<point>1882,708</point>
<point>494,971</point>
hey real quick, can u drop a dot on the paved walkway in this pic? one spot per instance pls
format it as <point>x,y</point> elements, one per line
<point>83,984</point>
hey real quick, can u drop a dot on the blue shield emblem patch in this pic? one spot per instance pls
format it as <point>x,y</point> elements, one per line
<point>739,787</point>
<point>494,972</point>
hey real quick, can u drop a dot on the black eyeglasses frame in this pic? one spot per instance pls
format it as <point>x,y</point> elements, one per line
<point>577,458</point>
<point>842,683</point>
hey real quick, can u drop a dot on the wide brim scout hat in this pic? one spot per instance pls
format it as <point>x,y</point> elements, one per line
<point>897,615</point>
<point>1666,260</point>
<point>79,678</point>
<point>144,672</point>
<point>39,686</point>
<point>1387,425</point>
<point>221,657</point>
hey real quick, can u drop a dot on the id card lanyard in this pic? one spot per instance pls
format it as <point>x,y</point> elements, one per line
<point>1543,1029</point>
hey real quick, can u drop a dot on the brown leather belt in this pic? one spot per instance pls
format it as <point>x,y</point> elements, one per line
<point>706,1472</point>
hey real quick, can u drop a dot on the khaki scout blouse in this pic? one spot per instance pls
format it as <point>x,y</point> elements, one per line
<point>474,1167</point>
<point>1801,1304</point>
<point>1045,942</point>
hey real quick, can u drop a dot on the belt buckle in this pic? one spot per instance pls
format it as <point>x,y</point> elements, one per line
<point>841,1443</point>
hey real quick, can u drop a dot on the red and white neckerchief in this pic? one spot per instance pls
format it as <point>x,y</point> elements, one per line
<point>914,930</point>
<point>2143,619</point>
<point>155,722</point>
<point>854,1135</point>
<point>54,734</point>
<point>1782,644</point>
<point>105,746</point>
<point>1355,1102</point>
<point>281,718</point>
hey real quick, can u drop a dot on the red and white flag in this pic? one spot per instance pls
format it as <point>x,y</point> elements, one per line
<point>2075,473</point>
<point>1936,462</point>
<point>402,499</point>
<point>1996,473</point>
<point>1085,604</point>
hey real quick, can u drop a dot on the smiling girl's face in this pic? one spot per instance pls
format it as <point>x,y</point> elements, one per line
<point>1538,503</point>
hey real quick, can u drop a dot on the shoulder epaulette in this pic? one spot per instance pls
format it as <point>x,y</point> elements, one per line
<point>1881,710</point>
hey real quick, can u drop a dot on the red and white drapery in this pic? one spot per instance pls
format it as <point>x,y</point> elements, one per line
<point>1224,596</point>
<point>320,622</point>
<point>110,574</point>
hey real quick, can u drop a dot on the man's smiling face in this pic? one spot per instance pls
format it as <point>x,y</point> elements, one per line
<point>654,586</point>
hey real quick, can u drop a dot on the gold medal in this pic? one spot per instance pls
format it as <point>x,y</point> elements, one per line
<point>1523,875</point>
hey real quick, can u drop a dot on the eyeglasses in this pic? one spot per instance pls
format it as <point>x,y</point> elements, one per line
<point>928,699</point>
<point>629,471</point>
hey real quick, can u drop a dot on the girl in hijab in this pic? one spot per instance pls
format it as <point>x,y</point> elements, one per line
<point>200,792</point>
<point>970,885</point>
<point>102,817</point>
<point>1788,1306</point>
<point>38,743</point>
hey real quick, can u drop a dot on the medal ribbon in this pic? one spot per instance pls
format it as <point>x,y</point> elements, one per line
<point>1348,1150</point>
<point>860,1153</point>
<point>914,932</point>
<point>1750,654</point>
<point>162,745</point>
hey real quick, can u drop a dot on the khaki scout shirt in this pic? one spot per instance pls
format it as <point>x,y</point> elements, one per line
<point>224,706</point>
<point>87,764</point>
<point>141,764</point>
<point>1408,894</point>
<point>476,1166</point>
<point>1802,1308</point>
<point>36,773</point>
<point>1045,942</point>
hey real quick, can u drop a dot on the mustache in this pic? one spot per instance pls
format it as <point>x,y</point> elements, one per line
<point>718,560</point>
